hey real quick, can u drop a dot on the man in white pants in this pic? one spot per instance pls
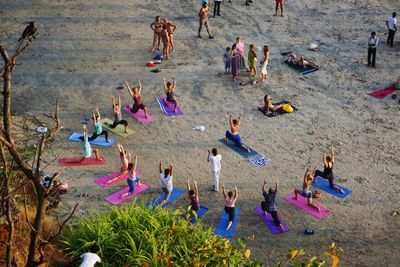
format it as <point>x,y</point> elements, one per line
<point>215,162</point>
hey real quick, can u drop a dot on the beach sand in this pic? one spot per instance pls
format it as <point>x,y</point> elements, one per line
<point>84,51</point>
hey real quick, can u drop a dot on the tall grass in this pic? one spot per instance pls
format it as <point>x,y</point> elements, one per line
<point>136,236</point>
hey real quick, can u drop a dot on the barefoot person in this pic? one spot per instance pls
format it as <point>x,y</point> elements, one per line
<point>328,170</point>
<point>241,49</point>
<point>137,98</point>
<point>306,192</point>
<point>118,115</point>
<point>169,90</point>
<point>264,63</point>
<point>87,149</point>
<point>170,29</point>
<point>98,127</point>
<point>230,200</point>
<point>235,62</point>
<point>165,41</point>
<point>269,204</point>
<point>292,58</point>
<point>193,195</point>
<point>234,133</point>
<point>156,26</point>
<point>252,60</point>
<point>166,182</point>
<point>133,179</point>
<point>215,163</point>
<point>203,15</point>
<point>279,3</point>
<point>269,107</point>
<point>125,158</point>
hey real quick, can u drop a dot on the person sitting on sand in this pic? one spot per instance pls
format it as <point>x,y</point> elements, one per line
<point>98,127</point>
<point>193,195</point>
<point>170,29</point>
<point>156,26</point>
<point>252,60</point>
<point>87,149</point>
<point>125,159</point>
<point>269,107</point>
<point>133,179</point>
<point>203,15</point>
<point>301,61</point>
<point>166,182</point>
<point>165,41</point>
<point>169,90</point>
<point>328,170</point>
<point>137,98</point>
<point>306,192</point>
<point>90,258</point>
<point>118,115</point>
<point>230,200</point>
<point>269,203</point>
<point>234,133</point>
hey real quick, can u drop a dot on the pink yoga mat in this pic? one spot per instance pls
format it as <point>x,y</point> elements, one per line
<point>102,181</point>
<point>116,197</point>
<point>86,162</point>
<point>383,92</point>
<point>139,116</point>
<point>301,202</point>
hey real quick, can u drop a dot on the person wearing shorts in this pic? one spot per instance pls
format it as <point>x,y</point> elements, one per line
<point>166,182</point>
<point>203,20</point>
<point>306,192</point>
<point>279,3</point>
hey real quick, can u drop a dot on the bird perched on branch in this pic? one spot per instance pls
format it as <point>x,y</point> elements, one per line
<point>29,31</point>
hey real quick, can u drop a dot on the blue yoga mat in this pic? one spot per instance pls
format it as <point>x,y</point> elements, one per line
<point>258,160</point>
<point>176,192</point>
<point>99,141</point>
<point>202,211</point>
<point>323,184</point>
<point>223,222</point>
<point>301,69</point>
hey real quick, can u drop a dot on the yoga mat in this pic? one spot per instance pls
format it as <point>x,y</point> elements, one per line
<point>276,113</point>
<point>258,160</point>
<point>200,213</point>
<point>120,129</point>
<point>102,181</point>
<point>139,116</point>
<point>380,94</point>
<point>223,222</point>
<point>86,162</point>
<point>323,184</point>
<point>301,69</point>
<point>168,109</point>
<point>269,221</point>
<point>301,202</point>
<point>176,193</point>
<point>99,141</point>
<point>116,197</point>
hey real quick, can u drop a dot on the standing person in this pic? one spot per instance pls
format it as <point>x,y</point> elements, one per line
<point>328,170</point>
<point>372,44</point>
<point>166,182</point>
<point>137,98</point>
<point>264,63</point>
<point>217,5</point>
<point>279,3</point>
<point>118,115</point>
<point>230,200</point>
<point>170,29</point>
<point>165,41</point>
<point>90,258</point>
<point>235,62</point>
<point>169,90</point>
<point>132,180</point>
<point>87,148</point>
<point>241,49</point>
<point>98,127</point>
<point>203,15</point>
<point>227,59</point>
<point>125,159</point>
<point>306,191</point>
<point>234,133</point>
<point>269,204</point>
<point>391,23</point>
<point>156,27</point>
<point>193,195</point>
<point>215,163</point>
<point>252,60</point>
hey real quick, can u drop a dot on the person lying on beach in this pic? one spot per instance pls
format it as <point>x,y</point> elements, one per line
<point>98,127</point>
<point>269,203</point>
<point>118,115</point>
<point>165,40</point>
<point>87,149</point>
<point>125,159</point>
<point>170,29</point>
<point>306,192</point>
<point>166,182</point>
<point>269,107</point>
<point>193,195</point>
<point>133,179</point>
<point>156,26</point>
<point>234,133</point>
<point>137,98</point>
<point>292,58</point>
<point>203,15</point>
<point>328,170</point>
<point>169,90</point>
<point>230,200</point>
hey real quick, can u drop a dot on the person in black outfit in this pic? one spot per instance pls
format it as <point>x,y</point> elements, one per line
<point>217,5</point>
<point>372,44</point>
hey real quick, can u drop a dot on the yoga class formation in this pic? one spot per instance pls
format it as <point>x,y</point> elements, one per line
<point>277,121</point>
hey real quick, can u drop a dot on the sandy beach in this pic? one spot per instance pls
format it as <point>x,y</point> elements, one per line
<point>84,51</point>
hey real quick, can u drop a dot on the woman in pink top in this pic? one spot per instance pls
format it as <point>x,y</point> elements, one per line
<point>230,200</point>
<point>241,49</point>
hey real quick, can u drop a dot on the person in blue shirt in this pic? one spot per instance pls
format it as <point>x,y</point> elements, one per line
<point>269,204</point>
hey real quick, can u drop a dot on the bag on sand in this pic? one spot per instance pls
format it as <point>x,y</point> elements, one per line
<point>287,108</point>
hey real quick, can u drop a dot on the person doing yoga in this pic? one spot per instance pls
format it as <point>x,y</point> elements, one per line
<point>234,133</point>
<point>269,204</point>
<point>125,159</point>
<point>306,192</point>
<point>301,61</point>
<point>98,127</point>
<point>166,182</point>
<point>118,115</point>
<point>269,107</point>
<point>136,94</point>
<point>169,89</point>
<point>230,200</point>
<point>87,149</point>
<point>193,195</point>
<point>328,170</point>
<point>133,179</point>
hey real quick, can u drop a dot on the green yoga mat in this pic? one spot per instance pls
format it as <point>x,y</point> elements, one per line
<point>120,129</point>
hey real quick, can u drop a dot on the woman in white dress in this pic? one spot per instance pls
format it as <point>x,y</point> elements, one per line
<point>264,63</point>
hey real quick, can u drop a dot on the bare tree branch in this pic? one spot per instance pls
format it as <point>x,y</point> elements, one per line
<point>4,54</point>
<point>56,118</point>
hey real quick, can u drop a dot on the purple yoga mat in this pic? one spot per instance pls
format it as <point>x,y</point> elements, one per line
<point>269,221</point>
<point>301,202</point>
<point>383,92</point>
<point>116,197</point>
<point>139,116</point>
<point>102,181</point>
<point>169,108</point>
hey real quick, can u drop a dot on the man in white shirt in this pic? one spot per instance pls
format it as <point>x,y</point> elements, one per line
<point>372,44</point>
<point>166,182</point>
<point>215,163</point>
<point>391,23</point>
<point>90,258</point>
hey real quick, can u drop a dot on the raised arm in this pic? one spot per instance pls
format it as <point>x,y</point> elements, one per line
<point>160,167</point>
<point>240,117</point>
<point>173,83</point>
<point>276,185</point>
<point>171,170</point>
<point>140,86</point>
<point>230,119</point>
<point>195,188</point>
<point>119,100</point>
<point>165,84</point>
<point>113,102</point>
<point>305,175</point>
<point>128,87</point>
<point>324,157</point>
<point>236,193</point>
<point>97,113</point>
<point>208,157</point>
<point>188,186</point>
<point>332,155</point>
<point>134,164</point>
<point>223,191</point>
<point>94,117</point>
<point>263,187</point>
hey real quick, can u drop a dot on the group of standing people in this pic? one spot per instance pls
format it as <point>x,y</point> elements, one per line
<point>163,32</point>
